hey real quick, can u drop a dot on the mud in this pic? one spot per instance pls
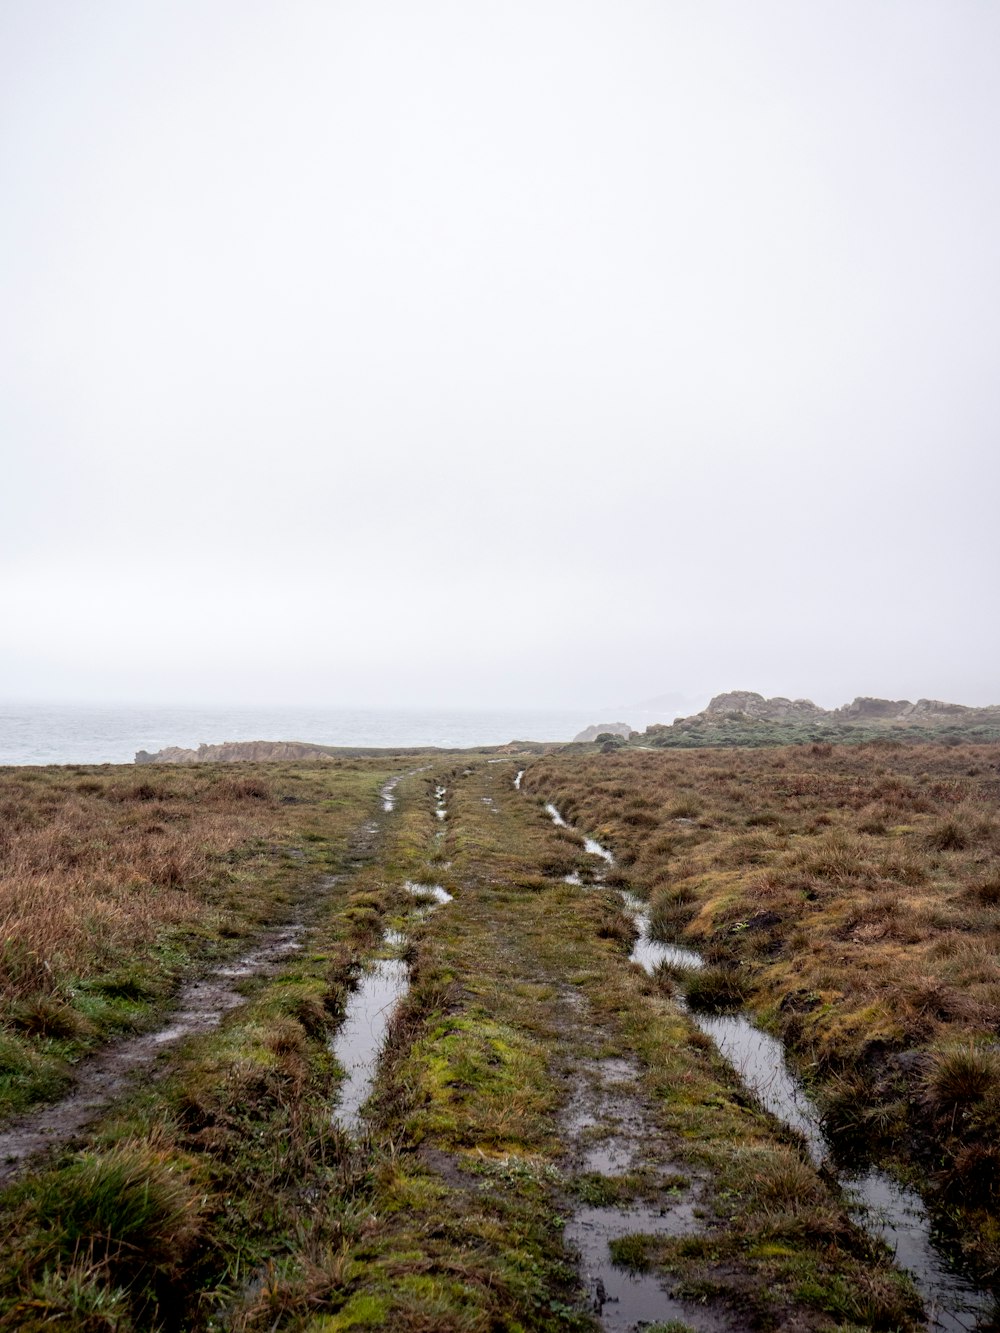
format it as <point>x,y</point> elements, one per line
<point>879,1204</point>
<point>103,1077</point>
<point>609,1131</point>
<point>201,1005</point>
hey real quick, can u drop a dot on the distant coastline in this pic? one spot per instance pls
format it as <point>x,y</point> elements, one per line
<point>65,734</point>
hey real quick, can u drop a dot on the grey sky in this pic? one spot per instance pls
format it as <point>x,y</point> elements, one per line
<point>522,353</point>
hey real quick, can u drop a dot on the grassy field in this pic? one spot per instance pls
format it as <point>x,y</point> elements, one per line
<point>851,897</point>
<point>115,884</point>
<point>534,1084</point>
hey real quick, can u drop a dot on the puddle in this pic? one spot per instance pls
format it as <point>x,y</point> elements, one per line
<point>388,794</point>
<point>649,953</point>
<point>590,845</point>
<point>623,1300</point>
<point>360,1037</point>
<point>759,1059</point>
<point>201,1005</point>
<point>431,893</point>
<point>517,780</point>
<point>370,1006</point>
<point>440,809</point>
<point>898,1216</point>
<point>878,1203</point>
<point>609,1132</point>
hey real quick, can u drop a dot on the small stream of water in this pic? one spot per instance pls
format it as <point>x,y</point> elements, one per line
<point>880,1204</point>
<point>358,1041</point>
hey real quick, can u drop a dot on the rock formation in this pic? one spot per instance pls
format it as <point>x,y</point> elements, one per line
<point>599,728</point>
<point>745,703</point>
<point>232,752</point>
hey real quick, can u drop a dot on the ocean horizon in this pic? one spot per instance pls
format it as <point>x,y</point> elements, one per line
<point>33,734</point>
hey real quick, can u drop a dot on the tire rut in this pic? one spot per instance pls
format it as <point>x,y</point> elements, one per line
<point>200,1006</point>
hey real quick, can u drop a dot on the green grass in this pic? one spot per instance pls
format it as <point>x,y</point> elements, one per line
<point>222,1195</point>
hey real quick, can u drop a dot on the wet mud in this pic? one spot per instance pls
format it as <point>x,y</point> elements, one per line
<point>609,1133</point>
<point>878,1203</point>
<point>201,1005</point>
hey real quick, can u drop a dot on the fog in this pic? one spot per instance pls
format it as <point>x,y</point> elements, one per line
<point>548,354</point>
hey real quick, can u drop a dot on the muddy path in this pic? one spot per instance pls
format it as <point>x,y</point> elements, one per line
<point>199,1006</point>
<point>620,1175</point>
<point>629,1183</point>
<point>881,1205</point>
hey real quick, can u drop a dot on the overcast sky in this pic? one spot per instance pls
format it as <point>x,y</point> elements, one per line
<point>498,353</point>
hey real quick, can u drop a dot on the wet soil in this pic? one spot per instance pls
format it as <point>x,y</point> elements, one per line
<point>200,1006</point>
<point>610,1133</point>
<point>359,1040</point>
<point>884,1207</point>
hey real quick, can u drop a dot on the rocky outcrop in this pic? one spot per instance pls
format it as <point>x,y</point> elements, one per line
<point>865,709</point>
<point>746,703</point>
<point>745,717</point>
<point>234,752</point>
<point>600,728</point>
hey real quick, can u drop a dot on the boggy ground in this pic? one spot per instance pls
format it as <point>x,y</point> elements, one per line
<point>851,897</point>
<point>538,1096</point>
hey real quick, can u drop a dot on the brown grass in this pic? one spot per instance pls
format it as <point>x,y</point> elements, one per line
<point>857,890</point>
<point>95,868</point>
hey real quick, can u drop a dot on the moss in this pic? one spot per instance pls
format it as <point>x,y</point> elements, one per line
<point>361,1311</point>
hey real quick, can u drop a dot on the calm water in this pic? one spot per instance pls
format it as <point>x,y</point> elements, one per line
<point>65,734</point>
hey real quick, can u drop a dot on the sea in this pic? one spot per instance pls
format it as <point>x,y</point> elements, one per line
<point>72,734</point>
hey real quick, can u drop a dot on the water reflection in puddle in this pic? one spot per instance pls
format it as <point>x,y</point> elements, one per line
<point>370,1006</point>
<point>625,1300</point>
<point>877,1202</point>
<point>608,1131</point>
<point>590,845</point>
<point>361,1036</point>
<point>429,892</point>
